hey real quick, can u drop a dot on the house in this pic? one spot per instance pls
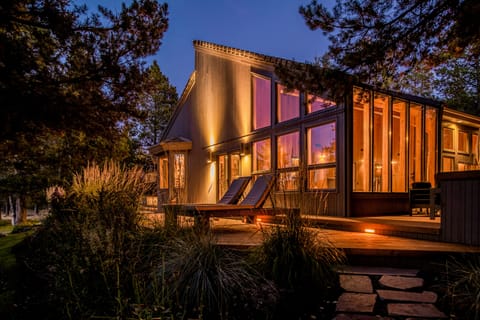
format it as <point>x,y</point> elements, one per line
<point>362,151</point>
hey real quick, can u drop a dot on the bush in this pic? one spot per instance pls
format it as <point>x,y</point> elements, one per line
<point>462,278</point>
<point>214,282</point>
<point>300,262</point>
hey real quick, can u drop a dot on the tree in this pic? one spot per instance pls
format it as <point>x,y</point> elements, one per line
<point>69,79</point>
<point>63,68</point>
<point>157,105</point>
<point>383,40</point>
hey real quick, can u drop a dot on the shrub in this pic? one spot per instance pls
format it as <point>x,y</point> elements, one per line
<point>463,286</point>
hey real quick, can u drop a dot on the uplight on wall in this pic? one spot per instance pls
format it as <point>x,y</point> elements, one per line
<point>210,157</point>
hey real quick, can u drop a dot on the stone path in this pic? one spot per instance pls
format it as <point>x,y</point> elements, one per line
<point>372,293</point>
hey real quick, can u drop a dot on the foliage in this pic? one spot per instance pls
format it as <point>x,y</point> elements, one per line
<point>299,261</point>
<point>215,282</point>
<point>157,105</point>
<point>463,286</point>
<point>377,40</point>
<point>64,68</point>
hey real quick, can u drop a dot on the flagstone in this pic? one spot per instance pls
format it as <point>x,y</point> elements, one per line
<point>355,316</point>
<point>420,297</point>
<point>378,271</point>
<point>356,302</point>
<point>402,283</point>
<point>356,283</point>
<point>418,310</point>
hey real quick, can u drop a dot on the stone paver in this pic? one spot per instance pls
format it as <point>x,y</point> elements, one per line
<point>419,297</point>
<point>356,283</point>
<point>422,310</point>
<point>378,271</point>
<point>356,302</point>
<point>402,283</point>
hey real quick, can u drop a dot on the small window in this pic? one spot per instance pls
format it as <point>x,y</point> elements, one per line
<point>316,103</point>
<point>447,164</point>
<point>447,139</point>
<point>288,103</point>
<point>288,150</point>
<point>163,166</point>
<point>179,170</point>
<point>261,156</point>
<point>463,141</point>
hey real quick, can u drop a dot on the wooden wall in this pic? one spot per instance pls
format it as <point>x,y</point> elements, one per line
<point>460,205</point>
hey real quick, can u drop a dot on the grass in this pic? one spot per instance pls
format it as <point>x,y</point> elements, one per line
<point>7,258</point>
<point>5,226</point>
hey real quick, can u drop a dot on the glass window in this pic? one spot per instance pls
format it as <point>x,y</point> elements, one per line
<point>315,103</point>
<point>222,175</point>
<point>380,142</point>
<point>288,150</point>
<point>179,170</point>
<point>235,166</point>
<point>321,157</point>
<point>399,150</point>
<point>288,181</point>
<point>321,144</point>
<point>322,178</point>
<point>447,136</point>
<point>288,103</point>
<point>430,144</point>
<point>415,133</point>
<point>447,164</point>
<point>163,166</point>
<point>261,102</point>
<point>462,141</point>
<point>261,155</point>
<point>361,140</point>
<point>475,149</point>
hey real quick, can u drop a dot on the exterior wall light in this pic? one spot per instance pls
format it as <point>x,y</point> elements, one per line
<point>244,149</point>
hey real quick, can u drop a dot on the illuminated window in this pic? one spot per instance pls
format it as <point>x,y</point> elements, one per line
<point>163,173</point>
<point>463,141</point>
<point>321,157</point>
<point>288,103</point>
<point>261,102</point>
<point>448,164</point>
<point>415,143</point>
<point>447,136</point>
<point>315,103</point>
<point>361,140</point>
<point>288,150</point>
<point>399,150</point>
<point>475,149</point>
<point>234,166</point>
<point>430,144</point>
<point>179,170</point>
<point>261,156</point>
<point>380,142</point>
<point>222,175</point>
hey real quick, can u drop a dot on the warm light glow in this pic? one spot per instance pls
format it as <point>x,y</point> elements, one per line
<point>259,219</point>
<point>368,230</point>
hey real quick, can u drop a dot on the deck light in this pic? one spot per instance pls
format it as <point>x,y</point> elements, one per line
<point>369,230</point>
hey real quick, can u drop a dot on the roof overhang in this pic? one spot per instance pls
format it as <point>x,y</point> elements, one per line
<point>174,144</point>
<point>459,117</point>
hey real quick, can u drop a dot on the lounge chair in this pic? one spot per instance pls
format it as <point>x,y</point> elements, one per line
<point>250,206</point>
<point>235,191</point>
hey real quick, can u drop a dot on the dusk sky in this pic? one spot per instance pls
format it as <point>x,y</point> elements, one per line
<point>272,27</point>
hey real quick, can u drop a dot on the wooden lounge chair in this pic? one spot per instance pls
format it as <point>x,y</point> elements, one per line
<point>250,206</point>
<point>235,191</point>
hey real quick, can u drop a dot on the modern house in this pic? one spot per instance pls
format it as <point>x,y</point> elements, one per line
<point>362,152</point>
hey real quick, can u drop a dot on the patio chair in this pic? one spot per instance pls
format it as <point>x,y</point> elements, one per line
<point>249,207</point>
<point>235,191</point>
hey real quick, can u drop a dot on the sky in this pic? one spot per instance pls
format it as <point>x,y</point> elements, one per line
<point>271,27</point>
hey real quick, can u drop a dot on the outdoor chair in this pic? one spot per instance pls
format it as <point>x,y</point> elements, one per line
<point>249,207</point>
<point>423,196</point>
<point>235,190</point>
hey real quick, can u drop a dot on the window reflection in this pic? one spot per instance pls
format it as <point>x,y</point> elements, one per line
<point>321,158</point>
<point>316,103</point>
<point>288,103</point>
<point>261,102</point>
<point>163,165</point>
<point>261,155</point>
<point>288,153</point>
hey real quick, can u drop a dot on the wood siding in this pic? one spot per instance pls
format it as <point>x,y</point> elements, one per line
<point>460,206</point>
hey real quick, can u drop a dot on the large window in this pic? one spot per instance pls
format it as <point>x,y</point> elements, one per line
<point>380,142</point>
<point>261,156</point>
<point>288,103</point>
<point>261,102</point>
<point>288,157</point>
<point>430,144</point>
<point>415,135</point>
<point>321,157</point>
<point>399,151</point>
<point>361,140</point>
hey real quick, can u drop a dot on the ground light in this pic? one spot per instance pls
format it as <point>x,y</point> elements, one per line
<point>369,230</point>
